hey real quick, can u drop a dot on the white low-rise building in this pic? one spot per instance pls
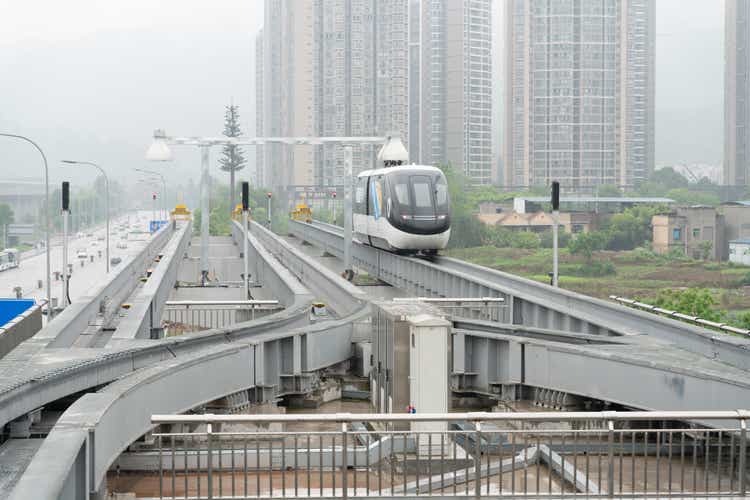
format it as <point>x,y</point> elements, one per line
<point>739,251</point>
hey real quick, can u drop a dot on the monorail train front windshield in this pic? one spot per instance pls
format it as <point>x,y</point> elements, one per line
<point>419,202</point>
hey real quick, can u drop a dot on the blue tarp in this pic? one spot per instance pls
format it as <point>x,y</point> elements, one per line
<point>11,308</point>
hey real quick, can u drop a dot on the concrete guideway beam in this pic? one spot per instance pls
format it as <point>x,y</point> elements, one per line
<point>148,305</point>
<point>530,303</point>
<point>33,375</point>
<point>92,433</point>
<point>267,270</point>
<point>343,296</point>
<point>630,372</point>
<point>65,328</point>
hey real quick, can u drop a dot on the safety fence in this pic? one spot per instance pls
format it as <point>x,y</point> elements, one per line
<point>530,455</point>
<point>188,315</point>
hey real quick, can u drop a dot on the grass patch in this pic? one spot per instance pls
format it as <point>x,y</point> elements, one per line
<point>637,273</point>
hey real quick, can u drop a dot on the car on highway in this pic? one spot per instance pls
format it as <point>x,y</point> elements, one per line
<point>94,244</point>
<point>100,238</point>
<point>82,254</point>
<point>115,260</point>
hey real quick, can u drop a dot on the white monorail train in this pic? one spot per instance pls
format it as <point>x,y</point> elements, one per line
<point>403,209</point>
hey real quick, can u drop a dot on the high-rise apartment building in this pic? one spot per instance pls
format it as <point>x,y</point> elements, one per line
<point>284,92</point>
<point>271,91</point>
<point>341,70</point>
<point>260,179</point>
<point>456,92</point>
<point>296,112</point>
<point>415,84</point>
<point>737,93</point>
<point>579,105</point>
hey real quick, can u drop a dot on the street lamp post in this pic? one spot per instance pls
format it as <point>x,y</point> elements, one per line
<point>106,198</point>
<point>159,150</point>
<point>50,311</point>
<point>245,257</point>
<point>163,183</point>
<point>268,210</point>
<point>348,184</point>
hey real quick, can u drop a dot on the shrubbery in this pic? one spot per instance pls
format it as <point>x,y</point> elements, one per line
<point>596,268</point>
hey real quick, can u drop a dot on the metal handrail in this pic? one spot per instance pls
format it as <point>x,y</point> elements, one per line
<point>189,303</point>
<point>686,317</point>
<point>456,417</point>
<point>441,300</point>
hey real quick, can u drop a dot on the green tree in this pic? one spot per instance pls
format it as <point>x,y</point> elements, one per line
<point>693,301</point>
<point>705,248</point>
<point>609,190</point>
<point>466,230</point>
<point>563,238</point>
<point>743,320</point>
<point>232,158</point>
<point>668,177</point>
<point>587,243</point>
<point>6,214</point>
<point>692,197</point>
<point>631,228</point>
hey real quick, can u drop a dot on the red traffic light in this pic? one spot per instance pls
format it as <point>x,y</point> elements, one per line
<point>269,194</point>
<point>333,194</point>
<point>153,196</point>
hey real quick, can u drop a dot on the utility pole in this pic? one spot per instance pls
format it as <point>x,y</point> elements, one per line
<point>555,224</point>
<point>65,214</point>
<point>334,207</point>
<point>269,195</point>
<point>348,271</point>
<point>245,257</point>
<point>205,214</point>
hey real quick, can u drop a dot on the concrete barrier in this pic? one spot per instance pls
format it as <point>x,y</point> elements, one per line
<point>63,330</point>
<point>148,304</point>
<point>21,328</point>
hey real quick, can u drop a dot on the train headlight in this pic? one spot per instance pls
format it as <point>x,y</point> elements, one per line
<point>441,217</point>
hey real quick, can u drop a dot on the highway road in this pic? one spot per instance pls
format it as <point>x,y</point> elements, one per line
<point>84,278</point>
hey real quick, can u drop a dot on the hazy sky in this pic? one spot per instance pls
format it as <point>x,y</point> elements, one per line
<point>91,79</point>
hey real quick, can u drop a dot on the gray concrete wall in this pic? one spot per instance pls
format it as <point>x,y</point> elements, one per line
<point>19,329</point>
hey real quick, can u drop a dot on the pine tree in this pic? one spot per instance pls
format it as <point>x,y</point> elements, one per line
<point>232,157</point>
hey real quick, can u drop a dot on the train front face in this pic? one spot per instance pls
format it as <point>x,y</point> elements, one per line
<point>419,208</point>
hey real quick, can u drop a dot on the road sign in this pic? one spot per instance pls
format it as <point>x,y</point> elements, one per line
<point>20,229</point>
<point>155,225</point>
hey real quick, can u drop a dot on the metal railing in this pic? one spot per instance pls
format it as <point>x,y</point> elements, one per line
<point>482,308</point>
<point>530,455</point>
<point>681,316</point>
<point>188,315</point>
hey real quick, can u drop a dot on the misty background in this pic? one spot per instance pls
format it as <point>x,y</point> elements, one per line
<point>91,80</point>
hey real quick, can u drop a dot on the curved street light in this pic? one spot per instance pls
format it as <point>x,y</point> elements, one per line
<point>106,185</point>
<point>50,311</point>
<point>163,182</point>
